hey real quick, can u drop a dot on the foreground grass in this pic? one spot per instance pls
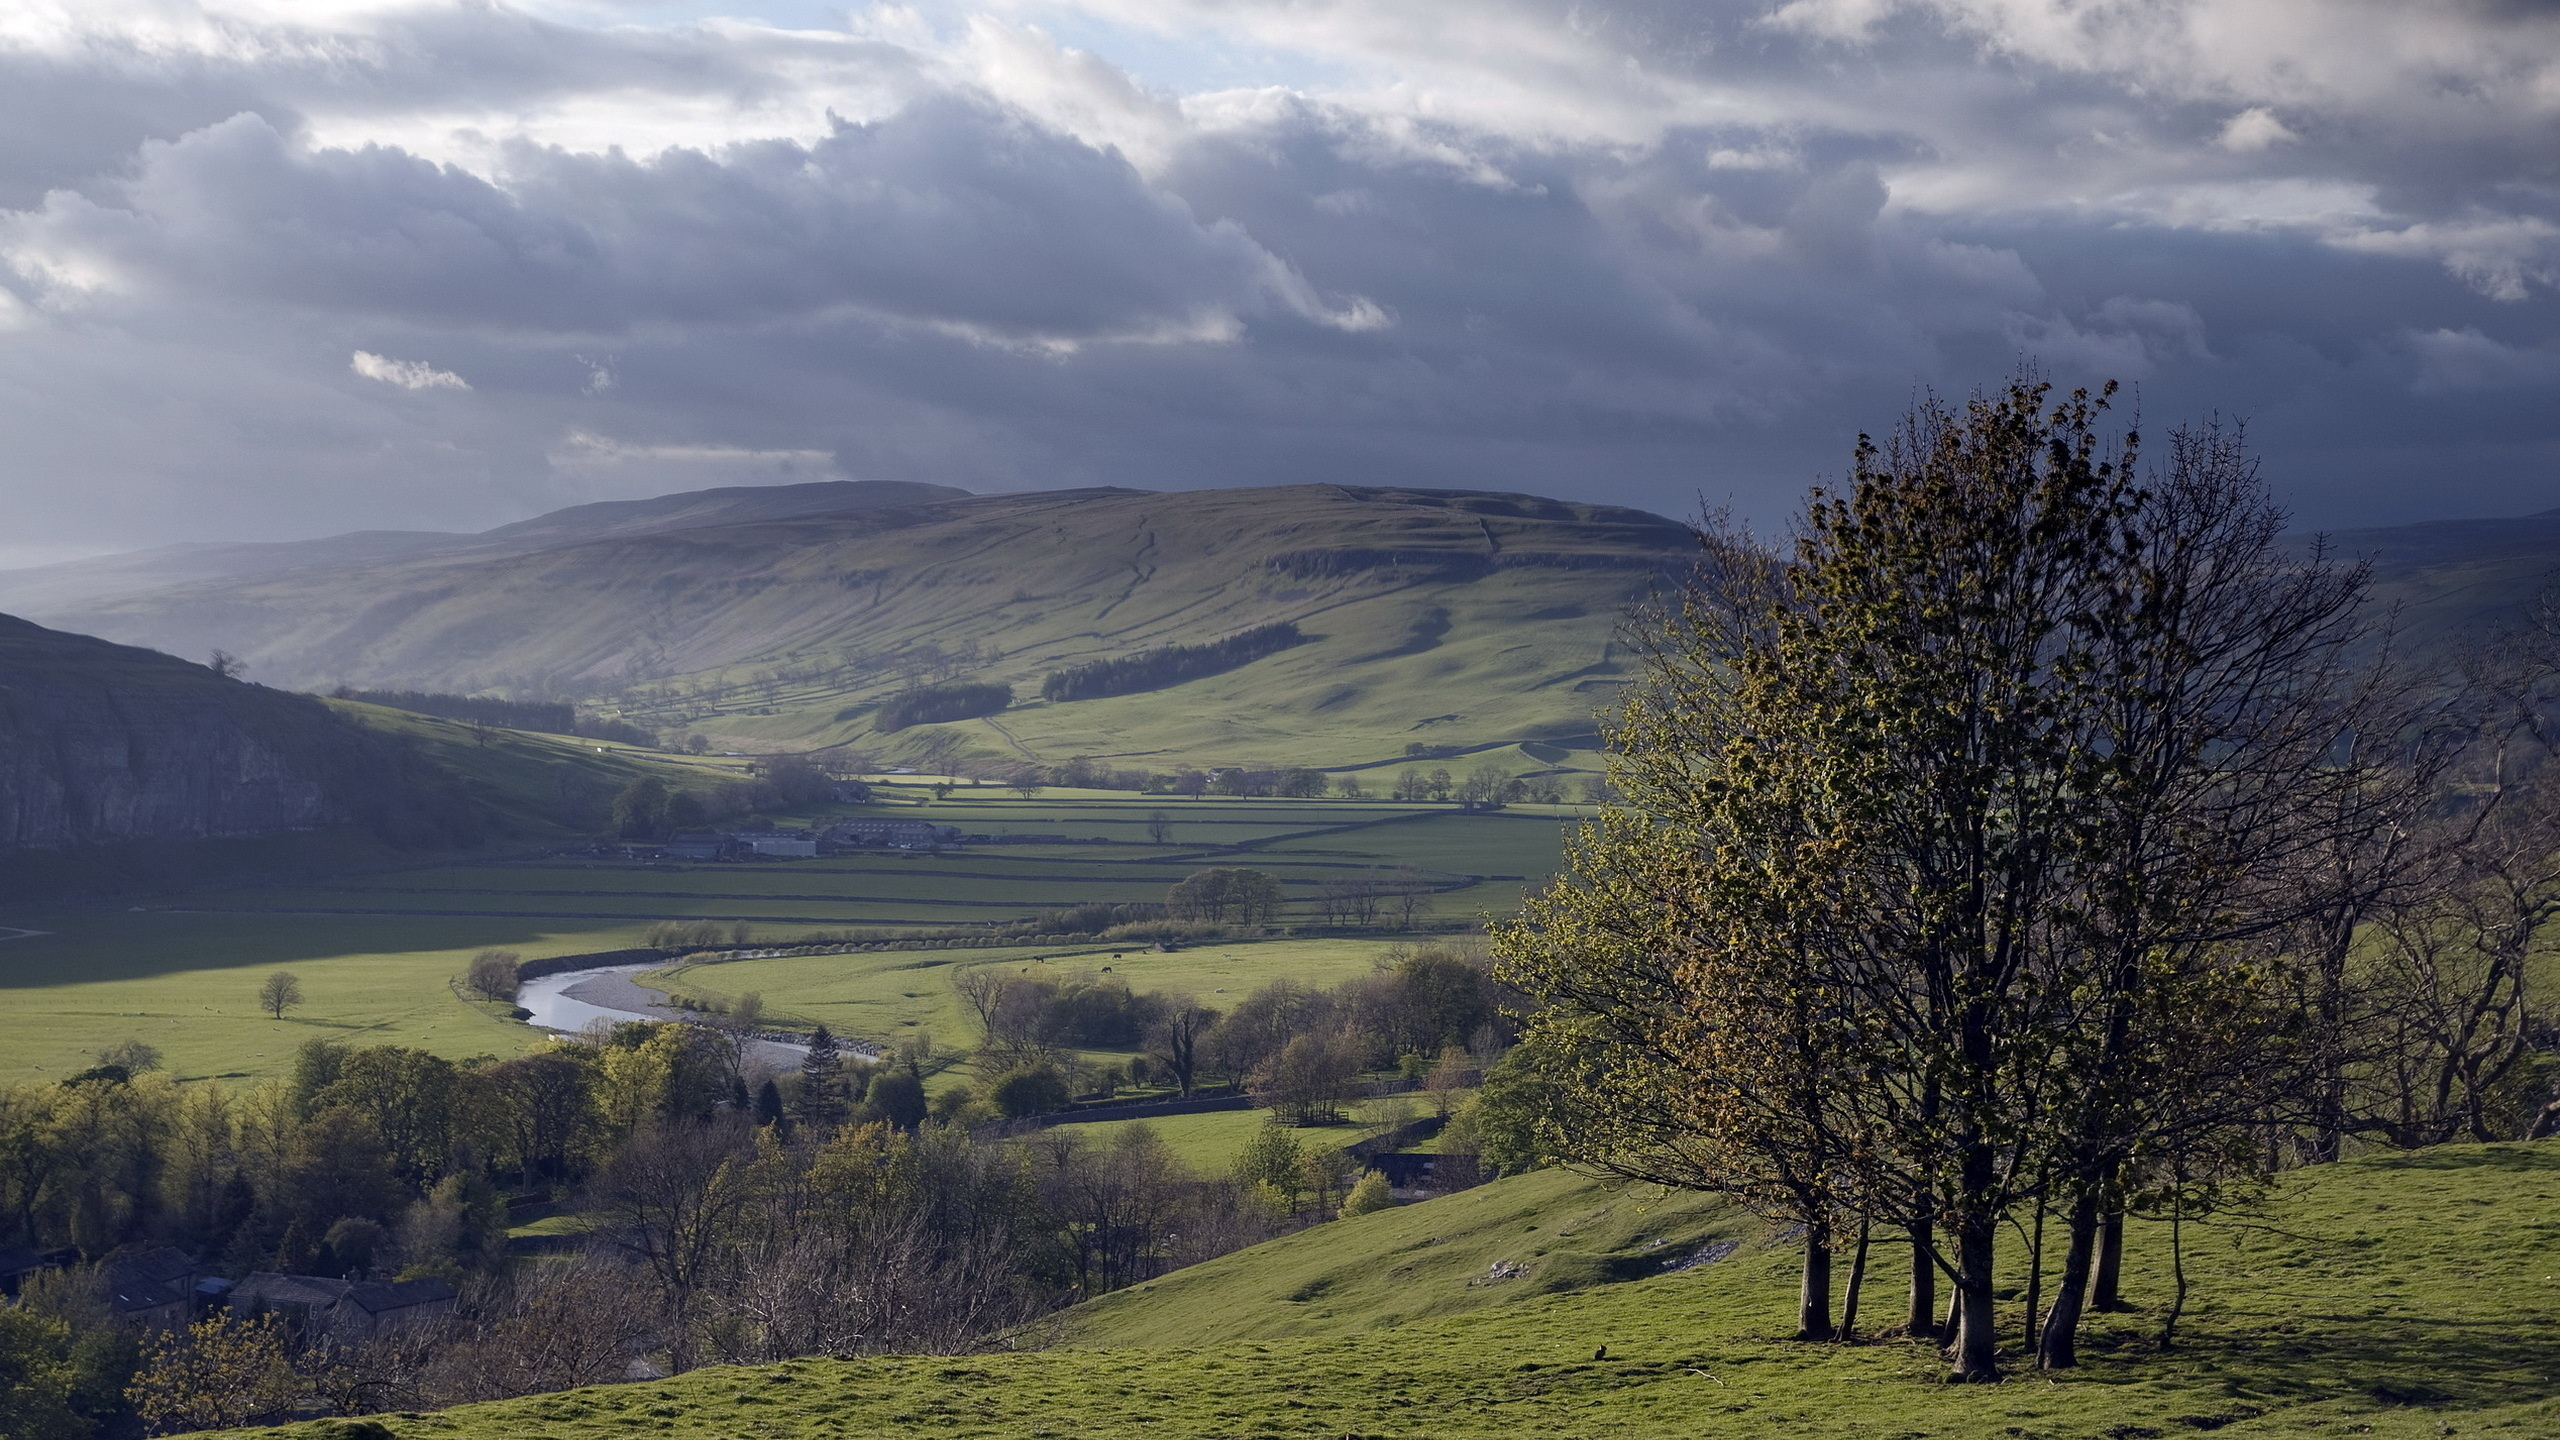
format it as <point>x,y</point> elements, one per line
<point>2400,1297</point>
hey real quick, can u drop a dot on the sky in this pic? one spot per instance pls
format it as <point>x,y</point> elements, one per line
<point>272,269</point>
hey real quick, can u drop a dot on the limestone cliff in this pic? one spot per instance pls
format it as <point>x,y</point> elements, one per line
<point>103,744</point>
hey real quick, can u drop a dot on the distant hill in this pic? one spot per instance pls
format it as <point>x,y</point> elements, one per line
<point>63,589</point>
<point>123,767</point>
<point>2455,578</point>
<point>1445,618</point>
<point>789,616</point>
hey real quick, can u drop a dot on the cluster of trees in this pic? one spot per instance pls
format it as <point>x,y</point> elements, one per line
<point>1299,1050</point>
<point>1168,665</point>
<point>1225,895</point>
<point>727,1217</point>
<point>1485,786</point>
<point>940,704</point>
<point>2040,840</point>
<point>649,808</point>
<point>1489,786</point>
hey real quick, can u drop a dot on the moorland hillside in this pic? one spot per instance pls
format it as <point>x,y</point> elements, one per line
<point>1455,619</point>
<point>53,592</point>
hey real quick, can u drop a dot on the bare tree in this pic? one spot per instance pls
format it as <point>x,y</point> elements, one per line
<point>279,992</point>
<point>668,1201</point>
<point>1182,1023</point>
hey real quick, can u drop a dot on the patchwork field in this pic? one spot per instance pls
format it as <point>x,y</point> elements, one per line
<point>2404,1296</point>
<point>375,953</point>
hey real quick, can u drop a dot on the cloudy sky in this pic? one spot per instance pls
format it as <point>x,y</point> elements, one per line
<point>278,268</point>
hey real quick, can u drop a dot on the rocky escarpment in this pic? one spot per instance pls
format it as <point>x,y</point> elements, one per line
<point>102,744</point>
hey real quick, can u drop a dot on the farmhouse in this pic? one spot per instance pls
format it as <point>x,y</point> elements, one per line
<point>897,834</point>
<point>698,845</point>
<point>344,1310</point>
<point>156,1288</point>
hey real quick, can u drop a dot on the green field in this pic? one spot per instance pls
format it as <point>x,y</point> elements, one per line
<point>188,984</point>
<point>2403,1296</point>
<point>1209,1143</point>
<point>375,952</point>
<point>880,994</point>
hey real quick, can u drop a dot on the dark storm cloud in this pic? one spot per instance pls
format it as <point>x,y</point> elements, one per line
<point>447,264</point>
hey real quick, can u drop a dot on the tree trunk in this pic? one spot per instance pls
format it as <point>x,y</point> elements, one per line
<point>1977,1349</point>
<point>2035,1271</point>
<point>1922,1320</point>
<point>2058,1348</point>
<point>1857,1282</point>
<point>2178,1271</point>
<point>2105,1294</point>
<point>1813,1297</point>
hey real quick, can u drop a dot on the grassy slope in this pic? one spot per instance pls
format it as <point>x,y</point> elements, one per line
<point>1509,642</point>
<point>2403,1296</point>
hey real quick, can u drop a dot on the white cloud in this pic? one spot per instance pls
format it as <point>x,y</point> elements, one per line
<point>2253,130</point>
<point>407,374</point>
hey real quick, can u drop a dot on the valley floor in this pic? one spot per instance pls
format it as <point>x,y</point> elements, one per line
<point>2403,1295</point>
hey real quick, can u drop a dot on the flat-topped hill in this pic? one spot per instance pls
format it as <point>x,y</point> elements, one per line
<point>1438,617</point>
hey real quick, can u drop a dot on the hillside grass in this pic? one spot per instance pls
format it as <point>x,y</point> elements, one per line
<point>2395,1296</point>
<point>1210,1142</point>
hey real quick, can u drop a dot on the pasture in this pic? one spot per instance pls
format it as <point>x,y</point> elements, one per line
<point>2405,1296</point>
<point>886,994</point>
<point>376,952</point>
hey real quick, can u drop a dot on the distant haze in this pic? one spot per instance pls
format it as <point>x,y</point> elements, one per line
<point>276,272</point>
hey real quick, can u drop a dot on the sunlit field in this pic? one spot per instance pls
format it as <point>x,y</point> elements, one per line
<point>377,953</point>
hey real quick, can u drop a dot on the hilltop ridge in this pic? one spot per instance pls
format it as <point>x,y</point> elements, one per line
<point>1447,618</point>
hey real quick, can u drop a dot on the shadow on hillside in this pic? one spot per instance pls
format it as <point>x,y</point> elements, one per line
<point>92,946</point>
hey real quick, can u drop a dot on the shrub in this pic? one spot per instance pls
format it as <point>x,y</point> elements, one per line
<point>1370,1194</point>
<point>1036,1089</point>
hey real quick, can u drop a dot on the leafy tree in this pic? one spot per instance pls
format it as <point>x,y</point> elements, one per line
<point>408,1096</point>
<point>493,974</point>
<point>37,1378</point>
<point>896,1097</point>
<point>1225,893</point>
<point>279,992</point>
<point>1033,1089</point>
<point>1270,1158</point>
<point>1369,1194</point>
<point>640,811</point>
<point>1938,838</point>
<point>1307,1081</point>
<point>133,1057</point>
<point>216,1374</point>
